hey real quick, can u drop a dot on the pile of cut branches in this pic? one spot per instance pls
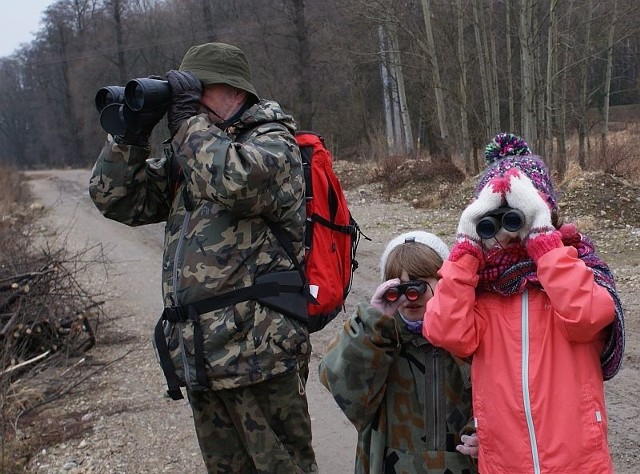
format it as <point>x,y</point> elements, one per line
<point>45,313</point>
<point>48,315</point>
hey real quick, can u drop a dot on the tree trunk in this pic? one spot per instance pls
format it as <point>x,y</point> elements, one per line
<point>464,123</point>
<point>208,20</point>
<point>386,92</point>
<point>607,85</point>
<point>405,120</point>
<point>549,92</point>
<point>305,115</point>
<point>121,61</point>
<point>512,112</point>
<point>528,71</point>
<point>484,81</point>
<point>437,82</point>
<point>583,120</point>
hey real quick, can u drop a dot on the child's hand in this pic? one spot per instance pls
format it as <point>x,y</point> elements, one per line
<point>379,302</point>
<point>467,239</point>
<point>538,232</point>
<point>469,446</point>
<point>521,194</point>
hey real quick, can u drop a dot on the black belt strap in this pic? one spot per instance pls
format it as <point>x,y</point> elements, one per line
<point>191,313</point>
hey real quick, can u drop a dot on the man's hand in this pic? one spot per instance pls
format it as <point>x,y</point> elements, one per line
<point>139,125</point>
<point>186,92</point>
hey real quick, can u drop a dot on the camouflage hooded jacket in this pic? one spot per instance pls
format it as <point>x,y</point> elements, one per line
<point>408,400</point>
<point>215,189</point>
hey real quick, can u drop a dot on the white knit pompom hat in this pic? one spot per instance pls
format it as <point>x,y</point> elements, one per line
<point>420,236</point>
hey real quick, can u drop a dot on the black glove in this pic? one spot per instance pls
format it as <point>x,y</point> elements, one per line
<point>139,125</point>
<point>186,92</point>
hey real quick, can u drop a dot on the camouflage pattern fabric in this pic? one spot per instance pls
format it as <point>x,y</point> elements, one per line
<point>215,194</point>
<point>262,428</point>
<point>408,400</point>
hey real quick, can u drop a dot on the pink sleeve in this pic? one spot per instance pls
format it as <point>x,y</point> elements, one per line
<point>450,319</point>
<point>583,308</point>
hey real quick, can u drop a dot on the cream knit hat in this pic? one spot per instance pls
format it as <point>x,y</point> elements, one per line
<point>420,236</point>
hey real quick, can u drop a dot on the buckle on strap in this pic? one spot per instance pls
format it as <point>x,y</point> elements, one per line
<point>175,314</point>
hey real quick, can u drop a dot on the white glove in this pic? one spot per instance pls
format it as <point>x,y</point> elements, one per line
<point>469,446</point>
<point>467,240</point>
<point>522,194</point>
<point>379,302</point>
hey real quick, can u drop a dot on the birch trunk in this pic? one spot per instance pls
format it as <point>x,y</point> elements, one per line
<point>437,82</point>
<point>406,136</point>
<point>386,92</point>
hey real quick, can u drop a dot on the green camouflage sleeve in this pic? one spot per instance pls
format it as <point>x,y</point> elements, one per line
<point>253,177</point>
<point>129,187</point>
<point>357,362</point>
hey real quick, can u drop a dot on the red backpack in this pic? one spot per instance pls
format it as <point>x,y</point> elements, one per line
<point>331,233</point>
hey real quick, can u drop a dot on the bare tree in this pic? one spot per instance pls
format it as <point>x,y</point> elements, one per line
<point>528,67</point>
<point>607,79</point>
<point>464,123</point>
<point>437,81</point>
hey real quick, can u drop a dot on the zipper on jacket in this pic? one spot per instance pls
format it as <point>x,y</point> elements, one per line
<point>525,382</point>
<point>183,352</point>
<point>433,405</point>
<point>183,231</point>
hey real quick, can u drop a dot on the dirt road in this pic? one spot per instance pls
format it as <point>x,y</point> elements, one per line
<point>133,428</point>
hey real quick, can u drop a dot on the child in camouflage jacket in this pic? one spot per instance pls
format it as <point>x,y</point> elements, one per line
<point>408,399</point>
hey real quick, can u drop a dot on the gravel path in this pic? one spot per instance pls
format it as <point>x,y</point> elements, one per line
<point>129,426</point>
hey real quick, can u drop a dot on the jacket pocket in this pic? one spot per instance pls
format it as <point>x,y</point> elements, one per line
<point>594,420</point>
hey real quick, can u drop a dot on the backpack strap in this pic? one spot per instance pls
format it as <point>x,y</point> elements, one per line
<point>286,243</point>
<point>191,313</point>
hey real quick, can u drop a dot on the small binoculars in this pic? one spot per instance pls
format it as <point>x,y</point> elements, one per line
<point>506,217</point>
<point>412,290</point>
<point>119,105</point>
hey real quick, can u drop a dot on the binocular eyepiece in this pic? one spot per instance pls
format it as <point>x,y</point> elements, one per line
<point>119,106</point>
<point>508,218</point>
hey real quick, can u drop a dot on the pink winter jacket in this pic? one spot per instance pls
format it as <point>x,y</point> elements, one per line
<point>538,394</point>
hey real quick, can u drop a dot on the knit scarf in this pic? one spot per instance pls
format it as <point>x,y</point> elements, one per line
<point>510,271</point>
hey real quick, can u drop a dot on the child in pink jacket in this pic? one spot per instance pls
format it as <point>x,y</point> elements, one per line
<point>537,309</point>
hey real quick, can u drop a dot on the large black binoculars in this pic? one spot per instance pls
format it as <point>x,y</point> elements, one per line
<point>119,106</point>
<point>508,218</point>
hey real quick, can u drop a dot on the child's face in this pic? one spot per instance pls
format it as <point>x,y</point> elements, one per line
<point>502,239</point>
<point>414,310</point>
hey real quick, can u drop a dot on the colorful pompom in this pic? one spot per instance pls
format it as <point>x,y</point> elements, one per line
<point>505,144</point>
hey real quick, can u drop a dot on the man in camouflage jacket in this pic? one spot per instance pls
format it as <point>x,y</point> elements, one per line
<point>233,165</point>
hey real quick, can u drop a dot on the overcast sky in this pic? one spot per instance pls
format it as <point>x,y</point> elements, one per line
<point>19,21</point>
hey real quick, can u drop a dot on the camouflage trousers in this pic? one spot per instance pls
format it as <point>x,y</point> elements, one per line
<point>261,428</point>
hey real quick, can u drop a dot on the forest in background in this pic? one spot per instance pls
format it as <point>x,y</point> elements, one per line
<point>377,78</point>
